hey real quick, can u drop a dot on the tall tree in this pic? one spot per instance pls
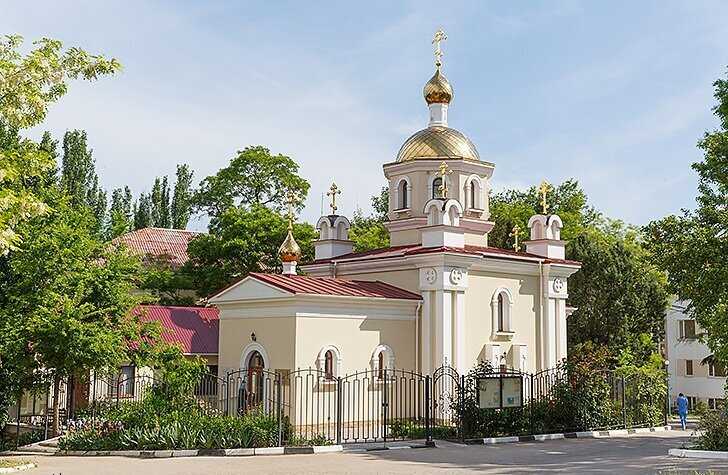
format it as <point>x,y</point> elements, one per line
<point>693,247</point>
<point>160,206</point>
<point>243,240</point>
<point>143,211</point>
<point>120,213</point>
<point>78,174</point>
<point>254,177</point>
<point>182,199</point>
<point>29,84</point>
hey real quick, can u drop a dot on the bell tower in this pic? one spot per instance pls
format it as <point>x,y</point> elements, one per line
<point>416,181</point>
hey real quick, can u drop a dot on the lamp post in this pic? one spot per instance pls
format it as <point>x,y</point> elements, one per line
<point>667,392</point>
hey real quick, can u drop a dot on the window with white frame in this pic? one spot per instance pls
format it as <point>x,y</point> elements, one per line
<point>383,360</point>
<point>714,403</point>
<point>403,194</point>
<point>692,402</point>
<point>501,306</point>
<point>436,183</point>
<point>716,369</point>
<point>686,329</point>
<point>329,362</point>
<point>688,367</point>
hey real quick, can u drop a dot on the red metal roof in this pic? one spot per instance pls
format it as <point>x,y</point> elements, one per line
<point>414,249</point>
<point>158,242</point>
<point>303,284</point>
<point>196,329</point>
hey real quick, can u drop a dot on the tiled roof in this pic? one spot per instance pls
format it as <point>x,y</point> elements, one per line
<point>307,285</point>
<point>194,328</point>
<point>158,242</point>
<point>414,249</point>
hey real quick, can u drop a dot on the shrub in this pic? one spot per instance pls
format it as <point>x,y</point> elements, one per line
<point>713,429</point>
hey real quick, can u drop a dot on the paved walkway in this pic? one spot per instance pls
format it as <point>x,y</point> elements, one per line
<point>635,454</point>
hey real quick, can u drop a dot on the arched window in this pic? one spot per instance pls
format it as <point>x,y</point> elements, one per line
<point>502,324</point>
<point>329,365</point>
<point>473,194</point>
<point>402,192</point>
<point>383,361</point>
<point>329,362</point>
<point>437,182</point>
<point>501,308</point>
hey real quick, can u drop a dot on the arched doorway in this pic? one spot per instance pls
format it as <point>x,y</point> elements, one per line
<point>256,378</point>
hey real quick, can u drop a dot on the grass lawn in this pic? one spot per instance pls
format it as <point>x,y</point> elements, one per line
<point>9,463</point>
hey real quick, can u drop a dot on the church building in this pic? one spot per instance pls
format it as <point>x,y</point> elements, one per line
<point>438,295</point>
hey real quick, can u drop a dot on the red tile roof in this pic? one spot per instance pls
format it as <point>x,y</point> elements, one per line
<point>196,329</point>
<point>307,285</point>
<point>414,249</point>
<point>157,242</point>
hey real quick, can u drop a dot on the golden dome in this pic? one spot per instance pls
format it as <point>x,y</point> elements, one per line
<point>289,251</point>
<point>437,142</point>
<point>438,89</point>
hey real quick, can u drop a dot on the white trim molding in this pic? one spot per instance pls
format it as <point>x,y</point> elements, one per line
<point>250,348</point>
<point>321,359</point>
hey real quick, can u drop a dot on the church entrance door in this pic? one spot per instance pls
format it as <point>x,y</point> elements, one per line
<point>256,367</point>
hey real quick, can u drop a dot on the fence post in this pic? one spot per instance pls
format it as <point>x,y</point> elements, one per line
<point>384,405</point>
<point>531,406</point>
<point>339,409</point>
<point>428,408</point>
<point>461,408</point>
<point>17,427</point>
<point>279,408</point>
<point>667,395</point>
<point>624,403</point>
<point>45,431</point>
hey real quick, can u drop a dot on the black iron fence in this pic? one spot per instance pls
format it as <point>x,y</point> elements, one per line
<point>311,406</point>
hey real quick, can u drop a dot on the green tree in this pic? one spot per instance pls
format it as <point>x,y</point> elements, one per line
<point>66,299</point>
<point>120,213</point>
<point>182,198</point>
<point>164,281</point>
<point>693,247</point>
<point>29,83</point>
<point>515,207</point>
<point>254,177</point>
<point>243,240</point>
<point>143,211</point>
<point>368,232</point>
<point>619,298</point>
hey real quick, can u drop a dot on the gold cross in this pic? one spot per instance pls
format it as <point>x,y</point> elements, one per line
<point>439,36</point>
<point>516,234</point>
<point>334,191</point>
<point>443,172</point>
<point>542,190</point>
<point>290,199</point>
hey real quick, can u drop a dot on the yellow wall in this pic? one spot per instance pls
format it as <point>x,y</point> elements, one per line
<point>276,335</point>
<point>356,340</point>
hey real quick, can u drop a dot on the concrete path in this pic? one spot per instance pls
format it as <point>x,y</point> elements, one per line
<point>635,454</point>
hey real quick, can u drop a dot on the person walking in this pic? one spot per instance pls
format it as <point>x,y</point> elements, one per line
<point>682,410</point>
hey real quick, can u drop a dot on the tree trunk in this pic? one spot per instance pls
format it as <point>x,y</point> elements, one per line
<point>56,408</point>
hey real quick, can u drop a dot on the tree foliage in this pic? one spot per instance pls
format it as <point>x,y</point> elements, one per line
<point>254,177</point>
<point>29,83</point>
<point>79,179</point>
<point>182,199</point>
<point>693,247</point>
<point>242,240</point>
<point>368,232</point>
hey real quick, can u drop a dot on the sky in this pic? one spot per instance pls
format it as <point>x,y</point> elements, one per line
<point>614,94</point>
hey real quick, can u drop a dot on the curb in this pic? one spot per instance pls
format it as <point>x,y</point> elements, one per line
<point>19,468</point>
<point>698,454</point>
<point>316,449</point>
<point>395,447</point>
<point>594,434</point>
